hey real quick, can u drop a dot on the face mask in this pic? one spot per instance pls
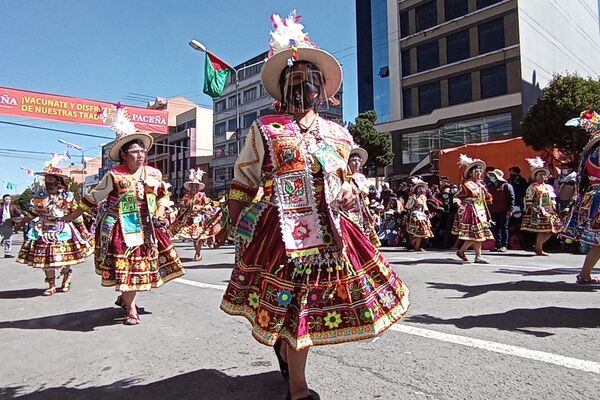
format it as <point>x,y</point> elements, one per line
<point>492,179</point>
<point>565,171</point>
<point>303,95</point>
<point>445,195</point>
<point>453,191</point>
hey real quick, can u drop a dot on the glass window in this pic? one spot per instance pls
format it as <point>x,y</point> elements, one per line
<point>491,35</point>
<point>428,56</point>
<point>406,63</point>
<point>404,24</point>
<point>231,125</point>
<point>231,101</point>
<point>407,103</point>
<point>249,95</point>
<point>493,81</point>
<point>265,111</point>
<point>232,148</point>
<point>426,15</point>
<point>459,89</point>
<point>220,128</point>
<point>248,120</point>
<point>455,8</point>
<point>457,46</point>
<point>485,3</point>
<point>263,92</point>
<point>429,97</point>
<point>221,105</point>
<point>418,144</point>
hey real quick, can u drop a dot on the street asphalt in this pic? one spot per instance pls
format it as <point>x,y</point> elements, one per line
<point>518,328</point>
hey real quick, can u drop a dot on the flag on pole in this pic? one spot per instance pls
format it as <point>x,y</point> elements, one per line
<point>11,186</point>
<point>216,73</point>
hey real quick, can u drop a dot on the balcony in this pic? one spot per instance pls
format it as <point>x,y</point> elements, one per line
<point>224,161</point>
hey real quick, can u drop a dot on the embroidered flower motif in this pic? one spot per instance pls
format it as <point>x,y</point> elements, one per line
<point>241,278</point>
<point>276,126</point>
<point>313,298</point>
<point>263,318</point>
<point>162,272</point>
<point>366,315</point>
<point>105,275</point>
<point>342,292</point>
<point>301,232</point>
<point>121,264</point>
<point>387,299</point>
<point>302,325</point>
<point>253,300</point>
<point>284,297</point>
<point>333,320</point>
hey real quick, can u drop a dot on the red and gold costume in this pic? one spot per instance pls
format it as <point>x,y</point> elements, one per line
<point>540,209</point>
<point>304,271</point>
<point>473,219</point>
<point>133,251</point>
<point>419,225</point>
<point>194,213</point>
<point>53,243</point>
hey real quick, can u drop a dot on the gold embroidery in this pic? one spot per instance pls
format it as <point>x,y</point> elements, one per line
<point>236,194</point>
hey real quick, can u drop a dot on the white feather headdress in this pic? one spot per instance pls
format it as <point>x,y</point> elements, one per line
<point>118,120</point>
<point>288,34</point>
<point>464,160</point>
<point>535,163</point>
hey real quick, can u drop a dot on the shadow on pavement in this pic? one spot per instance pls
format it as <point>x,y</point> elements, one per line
<point>430,261</point>
<point>202,384</point>
<point>80,321</point>
<point>520,319</point>
<point>509,254</point>
<point>554,271</point>
<point>21,293</point>
<point>524,286</point>
<point>199,265</point>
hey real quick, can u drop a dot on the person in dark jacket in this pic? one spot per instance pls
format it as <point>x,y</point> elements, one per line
<point>519,185</point>
<point>503,201</point>
<point>9,215</point>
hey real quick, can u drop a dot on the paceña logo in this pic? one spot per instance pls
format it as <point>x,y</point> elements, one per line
<point>6,99</point>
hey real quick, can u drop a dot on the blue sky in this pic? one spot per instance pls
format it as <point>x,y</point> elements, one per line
<point>118,50</point>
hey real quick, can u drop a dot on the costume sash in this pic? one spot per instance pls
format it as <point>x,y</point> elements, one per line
<point>294,189</point>
<point>131,224</point>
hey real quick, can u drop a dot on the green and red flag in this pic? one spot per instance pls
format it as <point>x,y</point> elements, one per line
<point>216,73</point>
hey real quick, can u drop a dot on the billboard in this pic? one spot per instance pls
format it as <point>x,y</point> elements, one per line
<point>27,104</point>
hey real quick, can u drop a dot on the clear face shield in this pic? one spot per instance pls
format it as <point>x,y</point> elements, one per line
<point>303,87</point>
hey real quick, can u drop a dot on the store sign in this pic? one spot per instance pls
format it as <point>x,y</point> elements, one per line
<point>26,104</point>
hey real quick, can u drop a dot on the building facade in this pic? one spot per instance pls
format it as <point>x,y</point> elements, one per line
<point>251,102</point>
<point>443,73</point>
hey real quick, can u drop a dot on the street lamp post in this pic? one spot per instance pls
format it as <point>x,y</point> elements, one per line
<point>199,46</point>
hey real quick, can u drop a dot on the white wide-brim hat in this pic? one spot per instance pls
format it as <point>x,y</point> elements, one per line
<point>330,69</point>
<point>362,153</point>
<point>476,163</point>
<point>146,138</point>
<point>187,184</point>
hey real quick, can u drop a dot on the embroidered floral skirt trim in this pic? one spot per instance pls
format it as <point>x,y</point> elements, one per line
<point>419,228</point>
<point>470,226</point>
<point>583,222</point>
<point>318,309</point>
<point>145,267</point>
<point>548,222</point>
<point>41,252</point>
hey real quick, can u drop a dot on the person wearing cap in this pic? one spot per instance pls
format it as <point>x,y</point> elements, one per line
<point>583,221</point>
<point>53,244</point>
<point>133,251</point>
<point>305,274</point>
<point>194,213</point>
<point>503,202</point>
<point>419,225</point>
<point>472,224</point>
<point>357,181</point>
<point>540,214</point>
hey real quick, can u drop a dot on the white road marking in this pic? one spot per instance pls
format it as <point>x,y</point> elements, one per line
<point>549,358</point>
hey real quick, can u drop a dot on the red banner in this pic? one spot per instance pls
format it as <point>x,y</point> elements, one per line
<point>23,103</point>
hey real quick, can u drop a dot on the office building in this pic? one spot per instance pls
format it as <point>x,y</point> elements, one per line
<point>443,73</point>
